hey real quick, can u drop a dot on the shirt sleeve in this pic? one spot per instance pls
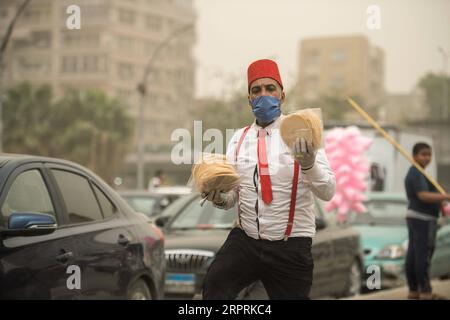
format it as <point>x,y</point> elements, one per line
<point>231,196</point>
<point>323,181</point>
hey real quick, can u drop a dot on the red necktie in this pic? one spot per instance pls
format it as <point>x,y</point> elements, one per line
<point>264,175</point>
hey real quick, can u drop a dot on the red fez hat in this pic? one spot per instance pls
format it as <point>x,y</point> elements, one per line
<point>264,68</point>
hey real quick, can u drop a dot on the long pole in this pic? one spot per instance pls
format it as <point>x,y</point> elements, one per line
<point>395,144</point>
<point>142,89</point>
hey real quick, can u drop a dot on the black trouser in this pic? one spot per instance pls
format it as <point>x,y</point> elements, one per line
<point>422,237</point>
<point>284,267</point>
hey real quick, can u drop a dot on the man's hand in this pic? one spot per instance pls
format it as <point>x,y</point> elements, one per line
<point>218,198</point>
<point>304,153</point>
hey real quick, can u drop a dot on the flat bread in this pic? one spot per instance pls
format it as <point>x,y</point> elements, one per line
<point>305,123</point>
<point>214,172</point>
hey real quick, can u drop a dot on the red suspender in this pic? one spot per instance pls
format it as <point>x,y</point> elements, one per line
<point>238,147</point>
<point>236,154</point>
<point>288,231</point>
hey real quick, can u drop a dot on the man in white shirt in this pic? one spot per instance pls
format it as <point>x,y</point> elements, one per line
<point>275,201</point>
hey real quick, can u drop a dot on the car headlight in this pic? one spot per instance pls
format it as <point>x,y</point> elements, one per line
<point>392,251</point>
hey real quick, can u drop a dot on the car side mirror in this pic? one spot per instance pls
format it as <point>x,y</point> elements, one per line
<point>27,224</point>
<point>320,224</point>
<point>162,221</point>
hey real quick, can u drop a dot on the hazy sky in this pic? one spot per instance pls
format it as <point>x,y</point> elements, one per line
<point>233,33</point>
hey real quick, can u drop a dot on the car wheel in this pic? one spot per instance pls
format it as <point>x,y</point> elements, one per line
<point>354,280</point>
<point>139,291</point>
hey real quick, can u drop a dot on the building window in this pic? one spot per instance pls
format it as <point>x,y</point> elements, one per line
<point>74,40</point>
<point>127,16</point>
<point>313,57</point>
<point>33,64</point>
<point>69,64</point>
<point>338,56</point>
<point>126,44</point>
<point>42,39</point>
<point>32,16</point>
<point>153,22</point>
<point>312,83</point>
<point>84,64</point>
<point>126,71</point>
<point>337,82</point>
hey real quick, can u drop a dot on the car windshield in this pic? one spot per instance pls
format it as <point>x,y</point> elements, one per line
<point>381,212</point>
<point>146,205</point>
<point>195,216</point>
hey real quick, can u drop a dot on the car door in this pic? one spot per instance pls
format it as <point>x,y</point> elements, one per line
<point>322,252</point>
<point>102,238</point>
<point>34,267</point>
<point>440,264</point>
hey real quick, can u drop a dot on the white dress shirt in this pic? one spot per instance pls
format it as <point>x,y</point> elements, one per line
<point>270,221</point>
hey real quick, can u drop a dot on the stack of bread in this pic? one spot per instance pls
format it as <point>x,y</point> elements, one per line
<point>214,172</point>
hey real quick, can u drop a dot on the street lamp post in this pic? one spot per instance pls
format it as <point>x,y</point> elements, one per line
<point>445,56</point>
<point>142,90</point>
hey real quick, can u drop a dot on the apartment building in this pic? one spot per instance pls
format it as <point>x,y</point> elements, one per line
<point>343,66</point>
<point>116,40</point>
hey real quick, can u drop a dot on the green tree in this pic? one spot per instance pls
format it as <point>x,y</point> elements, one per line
<point>86,127</point>
<point>27,126</point>
<point>233,112</point>
<point>95,131</point>
<point>432,85</point>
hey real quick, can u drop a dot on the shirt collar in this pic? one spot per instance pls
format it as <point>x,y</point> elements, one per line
<point>270,127</point>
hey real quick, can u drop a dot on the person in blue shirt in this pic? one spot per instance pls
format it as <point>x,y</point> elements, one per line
<point>424,203</point>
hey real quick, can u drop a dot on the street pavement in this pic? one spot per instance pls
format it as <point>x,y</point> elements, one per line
<point>441,287</point>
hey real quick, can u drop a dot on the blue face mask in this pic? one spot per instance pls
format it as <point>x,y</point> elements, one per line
<point>266,108</point>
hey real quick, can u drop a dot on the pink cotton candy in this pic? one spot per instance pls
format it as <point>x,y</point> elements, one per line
<point>345,148</point>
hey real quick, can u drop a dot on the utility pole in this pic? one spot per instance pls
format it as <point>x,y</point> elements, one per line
<point>445,56</point>
<point>142,90</point>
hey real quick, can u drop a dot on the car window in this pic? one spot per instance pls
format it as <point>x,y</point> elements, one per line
<point>176,206</point>
<point>146,205</point>
<point>28,193</point>
<point>81,204</point>
<point>108,208</point>
<point>195,216</point>
<point>383,212</point>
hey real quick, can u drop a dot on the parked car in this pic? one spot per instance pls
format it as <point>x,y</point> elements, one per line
<point>152,204</point>
<point>385,238</point>
<point>174,192</point>
<point>145,202</point>
<point>65,234</point>
<point>194,234</point>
